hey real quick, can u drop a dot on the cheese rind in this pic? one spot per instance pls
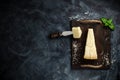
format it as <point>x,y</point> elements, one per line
<point>90,48</point>
<point>76,32</point>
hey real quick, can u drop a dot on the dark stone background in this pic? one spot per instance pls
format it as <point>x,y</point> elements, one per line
<point>26,53</point>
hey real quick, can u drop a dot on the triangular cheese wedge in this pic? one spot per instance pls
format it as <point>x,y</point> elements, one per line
<point>90,48</point>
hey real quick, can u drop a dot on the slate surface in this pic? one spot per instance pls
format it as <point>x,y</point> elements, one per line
<point>27,54</point>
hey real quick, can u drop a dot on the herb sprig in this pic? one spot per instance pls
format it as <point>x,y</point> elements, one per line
<point>108,23</point>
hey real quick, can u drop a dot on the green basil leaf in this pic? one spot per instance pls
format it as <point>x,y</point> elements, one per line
<point>106,24</point>
<point>112,27</point>
<point>109,21</point>
<point>103,20</point>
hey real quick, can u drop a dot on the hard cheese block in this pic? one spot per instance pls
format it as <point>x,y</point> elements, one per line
<point>82,51</point>
<point>90,47</point>
<point>76,32</point>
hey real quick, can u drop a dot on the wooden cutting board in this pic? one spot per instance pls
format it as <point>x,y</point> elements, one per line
<point>102,36</point>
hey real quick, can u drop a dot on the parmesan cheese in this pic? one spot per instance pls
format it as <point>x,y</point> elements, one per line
<point>90,48</point>
<point>76,32</point>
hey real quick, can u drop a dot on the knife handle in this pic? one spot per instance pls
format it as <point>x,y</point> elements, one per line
<point>55,35</point>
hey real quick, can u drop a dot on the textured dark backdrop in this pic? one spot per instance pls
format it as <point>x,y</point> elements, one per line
<point>27,54</point>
